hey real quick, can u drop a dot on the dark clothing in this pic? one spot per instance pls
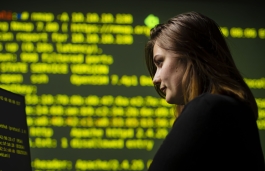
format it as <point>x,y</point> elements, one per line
<point>213,132</point>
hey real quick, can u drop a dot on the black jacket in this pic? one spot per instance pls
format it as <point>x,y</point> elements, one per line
<point>213,132</point>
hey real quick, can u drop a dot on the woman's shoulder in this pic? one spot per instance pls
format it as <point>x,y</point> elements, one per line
<point>224,115</point>
<point>216,105</point>
<point>216,101</point>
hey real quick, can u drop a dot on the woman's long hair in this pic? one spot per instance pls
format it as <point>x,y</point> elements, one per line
<point>209,63</point>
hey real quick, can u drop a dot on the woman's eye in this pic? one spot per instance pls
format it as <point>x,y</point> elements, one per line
<point>158,63</point>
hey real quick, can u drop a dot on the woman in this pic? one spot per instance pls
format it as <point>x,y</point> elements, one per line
<point>192,67</point>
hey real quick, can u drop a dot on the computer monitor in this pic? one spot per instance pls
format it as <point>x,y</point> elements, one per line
<point>14,139</point>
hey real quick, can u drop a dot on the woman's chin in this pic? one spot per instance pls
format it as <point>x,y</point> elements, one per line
<point>177,101</point>
<point>170,100</point>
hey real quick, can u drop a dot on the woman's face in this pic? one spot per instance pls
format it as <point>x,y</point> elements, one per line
<point>169,73</point>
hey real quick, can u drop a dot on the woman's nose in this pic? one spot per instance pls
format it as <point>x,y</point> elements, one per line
<point>156,79</point>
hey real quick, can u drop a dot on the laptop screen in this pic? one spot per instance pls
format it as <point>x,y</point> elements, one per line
<point>14,139</point>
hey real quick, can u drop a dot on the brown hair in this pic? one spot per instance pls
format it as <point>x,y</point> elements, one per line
<point>209,63</point>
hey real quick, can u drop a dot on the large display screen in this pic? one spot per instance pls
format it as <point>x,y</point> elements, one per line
<point>90,101</point>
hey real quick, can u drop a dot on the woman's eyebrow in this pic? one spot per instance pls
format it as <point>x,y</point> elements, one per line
<point>158,55</point>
